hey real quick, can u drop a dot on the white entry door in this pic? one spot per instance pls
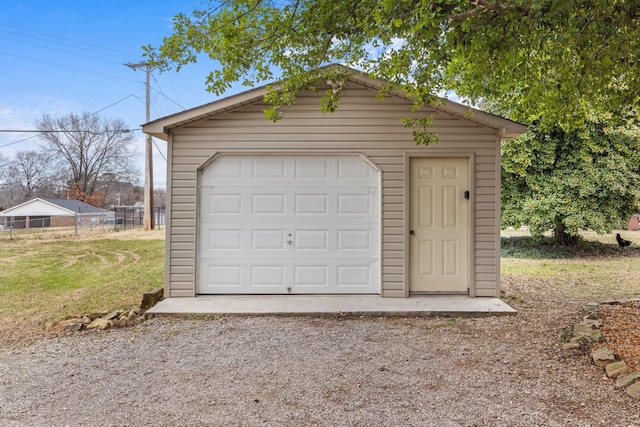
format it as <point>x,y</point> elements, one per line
<point>288,224</point>
<point>439,221</point>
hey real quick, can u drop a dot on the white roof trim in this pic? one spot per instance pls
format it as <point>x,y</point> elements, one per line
<point>37,207</point>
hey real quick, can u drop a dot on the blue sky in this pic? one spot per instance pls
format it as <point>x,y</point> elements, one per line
<point>62,56</point>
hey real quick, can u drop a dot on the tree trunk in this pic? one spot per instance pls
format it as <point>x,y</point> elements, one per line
<point>561,236</point>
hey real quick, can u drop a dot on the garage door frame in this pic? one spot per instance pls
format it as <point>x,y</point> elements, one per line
<point>296,153</point>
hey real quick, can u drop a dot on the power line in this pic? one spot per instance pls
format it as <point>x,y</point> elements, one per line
<point>158,148</point>
<point>38,132</point>
<point>21,140</point>
<point>74,44</point>
<point>178,104</point>
<point>117,102</point>
<point>89,45</point>
<point>50,48</point>
<point>66,66</point>
<point>163,94</point>
<point>92,114</point>
<point>62,131</point>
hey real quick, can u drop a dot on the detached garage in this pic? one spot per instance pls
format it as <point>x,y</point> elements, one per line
<point>340,203</point>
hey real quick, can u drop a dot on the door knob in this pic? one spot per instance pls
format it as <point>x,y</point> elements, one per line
<point>412,232</point>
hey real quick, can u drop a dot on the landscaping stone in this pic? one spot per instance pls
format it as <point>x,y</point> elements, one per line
<point>592,323</point>
<point>73,327</point>
<point>586,332</point>
<point>113,315</point>
<point>570,346</point>
<point>615,369</point>
<point>591,316</point>
<point>634,390</point>
<point>97,314</point>
<point>589,331</point>
<point>100,323</point>
<point>625,381</point>
<point>105,319</point>
<point>603,356</point>
<point>151,298</point>
<point>115,318</point>
<point>590,307</point>
<point>63,325</point>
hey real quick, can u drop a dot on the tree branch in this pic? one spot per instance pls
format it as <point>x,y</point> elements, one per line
<point>496,6</point>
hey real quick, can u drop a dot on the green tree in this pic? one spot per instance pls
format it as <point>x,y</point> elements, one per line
<point>570,181</point>
<point>549,61</point>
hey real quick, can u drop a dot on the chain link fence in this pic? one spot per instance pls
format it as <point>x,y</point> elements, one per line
<point>120,218</point>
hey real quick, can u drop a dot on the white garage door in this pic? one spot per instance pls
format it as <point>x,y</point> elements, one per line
<point>288,224</point>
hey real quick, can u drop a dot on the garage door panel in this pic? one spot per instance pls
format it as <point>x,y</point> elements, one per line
<point>311,276</point>
<point>311,240</point>
<point>311,204</point>
<point>268,168</point>
<point>353,168</point>
<point>354,204</point>
<point>224,204</point>
<point>353,275</point>
<point>354,240</point>
<point>268,275</point>
<point>224,240</point>
<point>311,168</point>
<point>268,204</point>
<point>228,275</point>
<point>227,168</point>
<point>289,224</point>
<point>268,240</point>
<point>330,276</point>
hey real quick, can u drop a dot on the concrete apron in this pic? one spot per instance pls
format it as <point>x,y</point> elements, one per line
<point>327,305</point>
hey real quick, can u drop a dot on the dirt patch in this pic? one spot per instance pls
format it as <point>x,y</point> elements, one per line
<point>621,329</point>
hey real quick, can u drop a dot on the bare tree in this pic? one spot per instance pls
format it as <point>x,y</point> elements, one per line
<point>28,175</point>
<point>4,166</point>
<point>89,150</point>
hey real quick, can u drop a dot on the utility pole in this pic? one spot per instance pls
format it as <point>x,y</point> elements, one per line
<point>148,155</point>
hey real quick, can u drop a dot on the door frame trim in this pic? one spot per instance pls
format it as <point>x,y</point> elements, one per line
<point>408,156</point>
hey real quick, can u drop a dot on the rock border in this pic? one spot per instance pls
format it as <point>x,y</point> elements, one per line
<point>587,332</point>
<point>103,320</point>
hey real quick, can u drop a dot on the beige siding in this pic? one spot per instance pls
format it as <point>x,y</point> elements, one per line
<point>362,125</point>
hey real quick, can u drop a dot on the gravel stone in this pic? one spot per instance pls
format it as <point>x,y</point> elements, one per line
<point>304,371</point>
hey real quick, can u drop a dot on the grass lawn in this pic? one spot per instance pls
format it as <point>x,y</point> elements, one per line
<point>539,273</point>
<point>45,278</point>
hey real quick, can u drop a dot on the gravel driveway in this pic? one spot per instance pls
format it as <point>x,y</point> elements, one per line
<point>297,371</point>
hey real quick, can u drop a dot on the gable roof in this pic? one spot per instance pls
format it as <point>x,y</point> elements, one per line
<point>76,206</point>
<point>52,207</point>
<point>161,127</point>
